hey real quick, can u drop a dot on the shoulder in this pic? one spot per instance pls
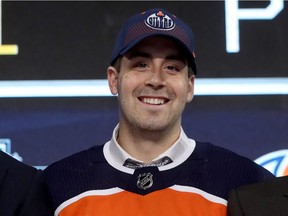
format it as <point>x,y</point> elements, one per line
<point>16,167</point>
<point>264,198</point>
<point>236,169</point>
<point>272,186</point>
<point>23,188</point>
<point>73,175</point>
<point>222,155</point>
<point>79,160</point>
<point>225,156</point>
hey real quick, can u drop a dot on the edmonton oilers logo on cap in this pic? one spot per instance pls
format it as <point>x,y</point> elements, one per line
<point>160,21</point>
<point>276,162</point>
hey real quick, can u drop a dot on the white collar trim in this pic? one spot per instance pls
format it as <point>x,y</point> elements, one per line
<point>178,152</point>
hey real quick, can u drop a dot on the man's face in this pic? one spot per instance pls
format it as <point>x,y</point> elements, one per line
<point>153,85</point>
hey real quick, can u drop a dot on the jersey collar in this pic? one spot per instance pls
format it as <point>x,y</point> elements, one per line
<point>178,152</point>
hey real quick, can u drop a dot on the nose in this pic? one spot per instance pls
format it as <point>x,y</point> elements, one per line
<point>156,80</point>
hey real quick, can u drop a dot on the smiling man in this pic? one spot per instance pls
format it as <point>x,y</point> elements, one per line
<point>153,86</point>
<point>150,166</point>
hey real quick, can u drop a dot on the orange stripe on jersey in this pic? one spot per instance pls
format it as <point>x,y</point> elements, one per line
<point>177,200</point>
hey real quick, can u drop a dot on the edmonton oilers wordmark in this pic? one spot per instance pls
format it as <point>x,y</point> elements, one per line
<point>160,21</point>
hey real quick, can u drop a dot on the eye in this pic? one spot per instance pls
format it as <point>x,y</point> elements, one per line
<point>142,65</point>
<point>172,68</point>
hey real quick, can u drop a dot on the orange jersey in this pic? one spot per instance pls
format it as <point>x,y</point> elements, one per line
<point>85,184</point>
<point>177,200</point>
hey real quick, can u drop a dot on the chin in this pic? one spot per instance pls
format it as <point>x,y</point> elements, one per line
<point>153,126</point>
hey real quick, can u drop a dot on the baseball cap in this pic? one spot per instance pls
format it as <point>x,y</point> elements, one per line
<point>151,23</point>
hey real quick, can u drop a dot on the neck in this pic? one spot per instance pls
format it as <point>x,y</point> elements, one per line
<point>146,145</point>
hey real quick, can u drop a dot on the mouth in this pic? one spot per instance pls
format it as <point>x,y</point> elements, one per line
<point>153,101</point>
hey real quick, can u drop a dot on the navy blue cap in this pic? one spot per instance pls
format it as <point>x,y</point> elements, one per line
<point>151,23</point>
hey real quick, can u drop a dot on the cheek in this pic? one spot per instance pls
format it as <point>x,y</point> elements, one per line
<point>180,86</point>
<point>126,84</point>
<point>183,91</point>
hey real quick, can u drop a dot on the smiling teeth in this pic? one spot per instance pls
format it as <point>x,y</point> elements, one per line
<point>155,101</point>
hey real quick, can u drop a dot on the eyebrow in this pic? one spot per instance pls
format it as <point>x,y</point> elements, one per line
<point>136,54</point>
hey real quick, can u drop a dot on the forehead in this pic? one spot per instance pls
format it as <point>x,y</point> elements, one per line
<point>158,44</point>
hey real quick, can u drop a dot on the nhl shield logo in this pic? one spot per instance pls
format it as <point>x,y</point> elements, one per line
<point>144,181</point>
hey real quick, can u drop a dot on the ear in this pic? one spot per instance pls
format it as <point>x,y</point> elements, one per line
<point>112,75</point>
<point>190,88</point>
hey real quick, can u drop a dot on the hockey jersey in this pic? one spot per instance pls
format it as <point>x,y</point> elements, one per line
<point>85,184</point>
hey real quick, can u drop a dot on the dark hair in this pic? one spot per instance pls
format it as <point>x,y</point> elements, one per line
<point>117,66</point>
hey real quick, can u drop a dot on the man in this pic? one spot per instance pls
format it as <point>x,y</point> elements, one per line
<point>261,199</point>
<point>150,167</point>
<point>22,189</point>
